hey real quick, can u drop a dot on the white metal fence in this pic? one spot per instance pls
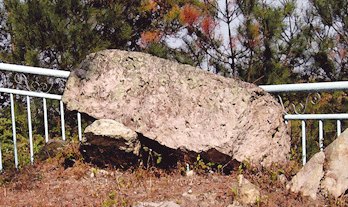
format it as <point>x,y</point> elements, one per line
<point>29,94</point>
<point>311,87</point>
<point>286,88</point>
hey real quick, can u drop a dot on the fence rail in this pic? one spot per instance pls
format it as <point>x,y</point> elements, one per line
<point>306,87</point>
<point>34,70</point>
<point>311,87</point>
<point>275,89</point>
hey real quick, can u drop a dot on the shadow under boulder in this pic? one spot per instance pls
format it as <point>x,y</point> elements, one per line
<point>108,143</point>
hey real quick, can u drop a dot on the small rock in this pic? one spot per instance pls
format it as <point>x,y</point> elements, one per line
<point>110,133</point>
<point>326,170</point>
<point>248,192</point>
<point>282,179</point>
<point>92,175</point>
<point>108,142</point>
<point>190,173</point>
<point>103,172</point>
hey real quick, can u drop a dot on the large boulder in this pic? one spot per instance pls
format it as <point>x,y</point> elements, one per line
<point>326,172</point>
<point>181,107</point>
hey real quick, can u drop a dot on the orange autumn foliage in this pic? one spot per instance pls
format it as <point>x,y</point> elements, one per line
<point>190,14</point>
<point>150,5</point>
<point>208,25</point>
<point>149,37</point>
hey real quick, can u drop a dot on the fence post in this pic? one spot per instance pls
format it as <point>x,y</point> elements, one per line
<point>45,119</point>
<point>321,134</point>
<point>304,154</point>
<point>339,128</point>
<point>14,131</point>
<point>79,125</point>
<point>62,119</point>
<point>30,131</point>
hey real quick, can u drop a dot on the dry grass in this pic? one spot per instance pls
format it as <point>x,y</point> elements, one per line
<point>65,180</point>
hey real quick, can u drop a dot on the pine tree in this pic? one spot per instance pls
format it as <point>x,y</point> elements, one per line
<point>48,33</point>
<point>262,46</point>
<point>331,37</point>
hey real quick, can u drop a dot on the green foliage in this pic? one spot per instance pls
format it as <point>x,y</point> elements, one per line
<point>111,201</point>
<point>330,34</point>
<point>59,34</point>
<point>200,166</point>
<point>22,140</point>
<point>38,130</point>
<point>49,33</point>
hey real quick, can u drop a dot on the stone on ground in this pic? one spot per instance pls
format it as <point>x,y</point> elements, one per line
<point>326,171</point>
<point>247,192</point>
<point>181,107</point>
<point>336,167</point>
<point>307,180</point>
<point>107,140</point>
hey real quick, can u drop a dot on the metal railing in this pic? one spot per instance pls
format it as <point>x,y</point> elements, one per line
<point>311,87</point>
<point>274,89</point>
<point>29,94</point>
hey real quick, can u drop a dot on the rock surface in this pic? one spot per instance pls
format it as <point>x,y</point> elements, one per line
<point>336,167</point>
<point>110,133</point>
<point>247,192</point>
<point>326,171</point>
<point>181,107</point>
<point>108,141</point>
<point>307,180</point>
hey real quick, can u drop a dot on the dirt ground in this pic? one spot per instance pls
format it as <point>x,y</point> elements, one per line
<point>52,183</point>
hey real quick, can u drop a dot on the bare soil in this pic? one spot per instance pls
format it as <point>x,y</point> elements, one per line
<point>53,182</point>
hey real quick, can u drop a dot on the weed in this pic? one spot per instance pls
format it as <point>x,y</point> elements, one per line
<point>240,169</point>
<point>94,171</point>
<point>202,167</point>
<point>112,195</point>
<point>257,200</point>
<point>109,203</point>
<point>274,175</point>
<point>124,202</point>
<point>234,192</point>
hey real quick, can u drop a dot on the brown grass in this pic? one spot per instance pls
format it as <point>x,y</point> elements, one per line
<point>52,182</point>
